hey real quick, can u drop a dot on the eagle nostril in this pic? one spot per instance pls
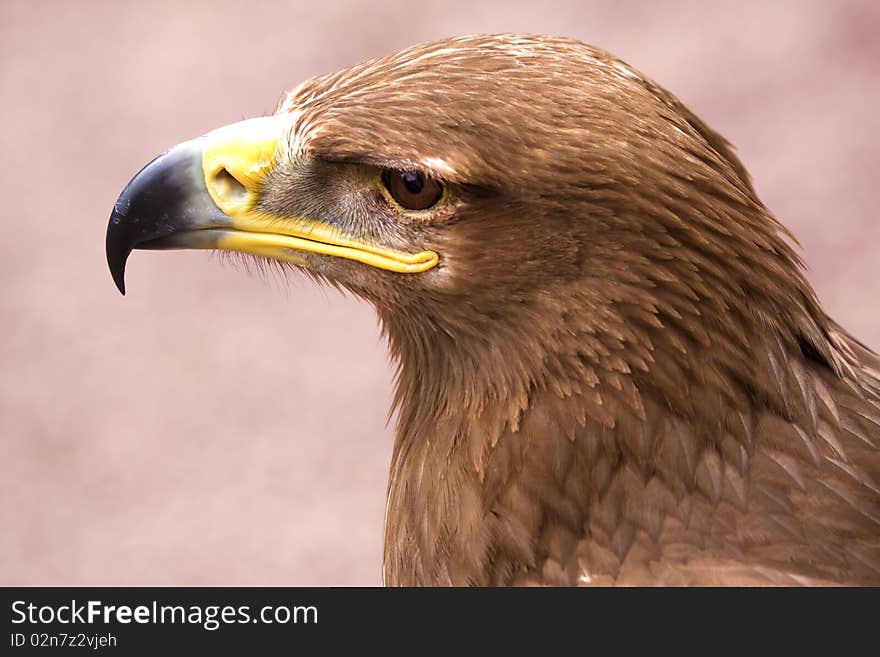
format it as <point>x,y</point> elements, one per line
<point>226,189</point>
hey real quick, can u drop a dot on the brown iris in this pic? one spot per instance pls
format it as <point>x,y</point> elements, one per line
<point>413,190</point>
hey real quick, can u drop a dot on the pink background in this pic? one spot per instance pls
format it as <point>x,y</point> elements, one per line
<point>214,427</point>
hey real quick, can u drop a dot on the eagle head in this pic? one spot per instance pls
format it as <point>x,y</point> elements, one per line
<point>596,321</point>
<point>468,187</point>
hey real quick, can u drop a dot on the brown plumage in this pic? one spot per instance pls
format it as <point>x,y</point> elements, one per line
<point>618,372</point>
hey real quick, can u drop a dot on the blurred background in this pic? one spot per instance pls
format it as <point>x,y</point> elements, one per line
<point>215,427</point>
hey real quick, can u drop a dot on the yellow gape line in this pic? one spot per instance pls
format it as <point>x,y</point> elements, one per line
<point>279,246</point>
<point>235,161</point>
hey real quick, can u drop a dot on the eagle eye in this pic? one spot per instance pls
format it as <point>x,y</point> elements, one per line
<point>412,190</point>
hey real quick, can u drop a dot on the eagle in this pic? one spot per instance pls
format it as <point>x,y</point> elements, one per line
<point>610,367</point>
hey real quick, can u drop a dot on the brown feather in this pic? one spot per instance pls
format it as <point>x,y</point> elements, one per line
<point>618,373</point>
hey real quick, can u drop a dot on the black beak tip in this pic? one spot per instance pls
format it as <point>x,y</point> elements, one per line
<point>167,196</point>
<point>120,282</point>
<point>118,248</point>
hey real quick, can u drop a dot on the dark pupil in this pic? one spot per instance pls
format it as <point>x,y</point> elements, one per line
<point>414,181</point>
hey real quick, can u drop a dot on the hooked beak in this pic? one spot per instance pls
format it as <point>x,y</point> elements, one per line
<point>204,194</point>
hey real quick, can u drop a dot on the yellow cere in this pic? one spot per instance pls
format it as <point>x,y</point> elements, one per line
<point>235,160</point>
